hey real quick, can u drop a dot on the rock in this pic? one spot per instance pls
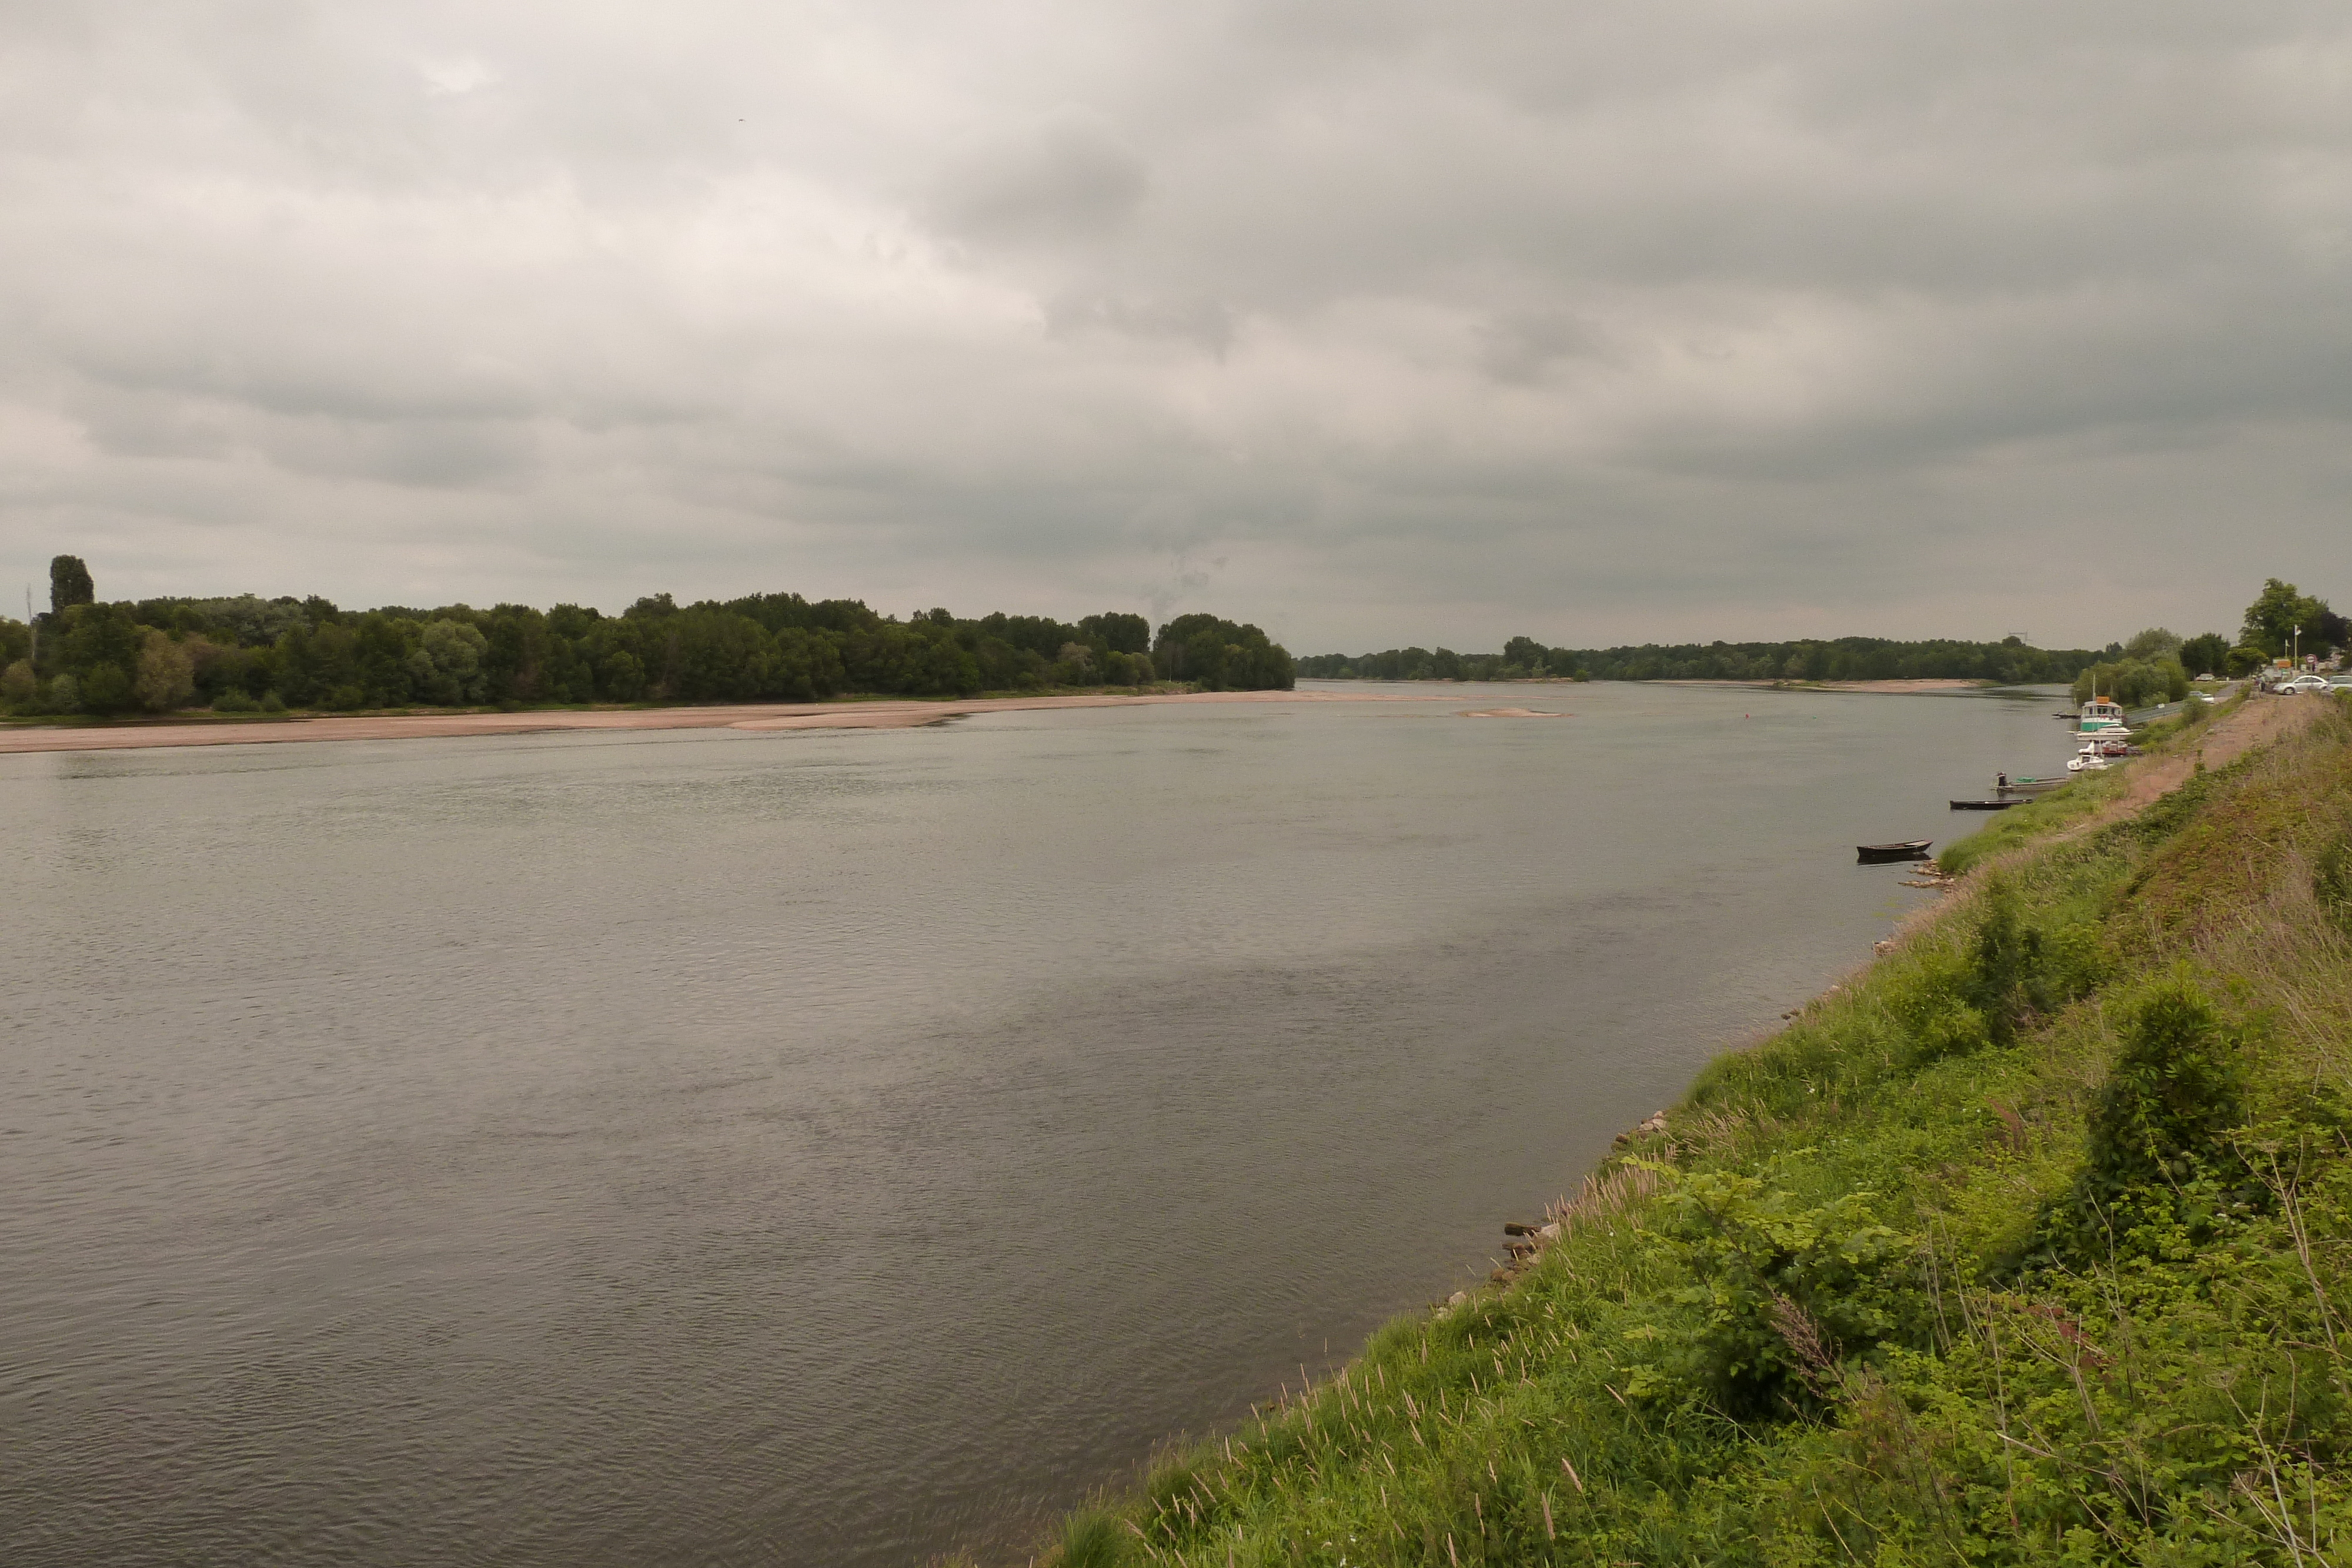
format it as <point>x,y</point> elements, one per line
<point>1513,1227</point>
<point>1550,1232</point>
<point>1459,1298</point>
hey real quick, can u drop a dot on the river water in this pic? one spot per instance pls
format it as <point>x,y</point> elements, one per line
<point>701,1147</point>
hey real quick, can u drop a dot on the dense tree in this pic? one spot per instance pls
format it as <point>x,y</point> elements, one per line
<point>2134,683</point>
<point>2205,654</point>
<point>2008,661</point>
<point>2282,616</point>
<point>240,653</point>
<point>70,585</point>
<point>1221,655</point>
<point>1118,633</point>
<point>167,675</point>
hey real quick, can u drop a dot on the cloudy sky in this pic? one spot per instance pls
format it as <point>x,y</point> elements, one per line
<point>1371,320</point>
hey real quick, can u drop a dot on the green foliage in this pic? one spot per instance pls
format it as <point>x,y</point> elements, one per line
<point>2205,654</point>
<point>70,585</point>
<point>167,675</point>
<point>2243,661</point>
<point>2135,683</point>
<point>2008,662</point>
<point>228,652</point>
<point>2282,618</point>
<point>2177,1084</point>
<point>1092,1539</point>
<point>1783,1291</point>
<point>2331,880</point>
<point>106,689</point>
<point>1893,1290</point>
<point>1221,655</point>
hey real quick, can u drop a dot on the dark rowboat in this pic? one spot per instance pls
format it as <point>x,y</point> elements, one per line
<point>1985,805</point>
<point>1879,855</point>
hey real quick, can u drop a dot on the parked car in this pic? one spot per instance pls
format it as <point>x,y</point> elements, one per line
<point>2305,684</point>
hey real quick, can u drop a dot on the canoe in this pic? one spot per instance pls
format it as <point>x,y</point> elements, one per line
<point>1985,805</point>
<point>1879,855</point>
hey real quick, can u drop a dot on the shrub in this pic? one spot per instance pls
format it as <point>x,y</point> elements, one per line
<point>272,702</point>
<point>107,689</point>
<point>167,675</point>
<point>1784,1291</point>
<point>2331,880</point>
<point>1092,1539</point>
<point>234,701</point>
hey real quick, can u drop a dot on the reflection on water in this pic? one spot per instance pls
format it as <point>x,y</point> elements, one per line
<point>712,1148</point>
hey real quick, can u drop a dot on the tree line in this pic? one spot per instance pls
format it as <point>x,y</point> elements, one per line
<point>248,653</point>
<point>2008,661</point>
<point>2282,621</point>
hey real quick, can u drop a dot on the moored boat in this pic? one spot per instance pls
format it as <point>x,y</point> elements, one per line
<point>2101,716</point>
<point>1985,805</point>
<point>1880,854</point>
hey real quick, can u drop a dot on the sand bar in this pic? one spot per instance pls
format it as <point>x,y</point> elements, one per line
<point>893,715</point>
<point>1890,687</point>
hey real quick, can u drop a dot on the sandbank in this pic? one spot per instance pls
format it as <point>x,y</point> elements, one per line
<point>891,715</point>
<point>1897,688</point>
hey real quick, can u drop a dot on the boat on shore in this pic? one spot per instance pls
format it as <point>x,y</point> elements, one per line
<point>1985,805</point>
<point>1883,854</point>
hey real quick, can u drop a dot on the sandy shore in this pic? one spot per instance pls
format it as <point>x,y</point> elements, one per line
<point>1893,687</point>
<point>894,715</point>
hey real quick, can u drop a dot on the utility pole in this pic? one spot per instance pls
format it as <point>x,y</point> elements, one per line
<point>32,658</point>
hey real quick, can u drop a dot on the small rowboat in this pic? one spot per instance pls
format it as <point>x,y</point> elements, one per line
<point>1880,854</point>
<point>1985,805</point>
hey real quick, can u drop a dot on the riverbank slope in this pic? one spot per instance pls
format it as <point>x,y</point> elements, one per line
<point>2031,1245</point>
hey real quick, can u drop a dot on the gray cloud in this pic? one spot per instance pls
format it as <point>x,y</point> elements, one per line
<point>1376,322</point>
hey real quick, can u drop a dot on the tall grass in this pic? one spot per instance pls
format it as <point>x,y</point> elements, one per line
<point>1966,1265</point>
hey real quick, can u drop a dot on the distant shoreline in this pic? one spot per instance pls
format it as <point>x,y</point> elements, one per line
<point>1889,688</point>
<point>891,713</point>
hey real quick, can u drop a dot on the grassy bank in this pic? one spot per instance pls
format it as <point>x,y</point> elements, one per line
<point>2035,1246</point>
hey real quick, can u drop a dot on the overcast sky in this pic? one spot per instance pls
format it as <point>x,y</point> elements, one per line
<point>1372,321</point>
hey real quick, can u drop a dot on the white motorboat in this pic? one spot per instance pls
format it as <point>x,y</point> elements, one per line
<point>2101,716</point>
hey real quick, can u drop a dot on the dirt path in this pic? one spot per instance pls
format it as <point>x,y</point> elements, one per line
<point>2257,721</point>
<point>748,715</point>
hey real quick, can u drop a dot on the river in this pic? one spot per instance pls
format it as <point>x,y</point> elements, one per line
<point>699,1147</point>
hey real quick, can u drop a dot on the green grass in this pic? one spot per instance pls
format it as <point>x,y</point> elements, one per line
<point>2084,797</point>
<point>2035,1246</point>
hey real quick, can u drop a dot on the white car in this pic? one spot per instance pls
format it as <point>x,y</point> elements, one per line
<point>2305,684</point>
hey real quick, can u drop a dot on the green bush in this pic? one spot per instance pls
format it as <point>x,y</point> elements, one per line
<point>1784,1291</point>
<point>2179,1082</point>
<point>107,689</point>
<point>2331,880</point>
<point>234,701</point>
